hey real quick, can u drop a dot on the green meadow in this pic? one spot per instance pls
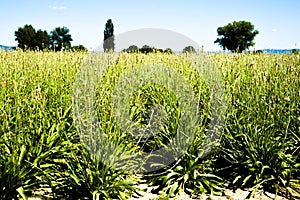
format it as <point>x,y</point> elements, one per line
<point>41,154</point>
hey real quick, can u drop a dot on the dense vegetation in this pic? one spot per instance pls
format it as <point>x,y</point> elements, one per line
<point>59,39</point>
<point>41,153</point>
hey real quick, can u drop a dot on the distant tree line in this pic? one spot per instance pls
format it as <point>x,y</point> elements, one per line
<point>146,49</point>
<point>235,37</point>
<point>59,39</point>
<point>109,45</point>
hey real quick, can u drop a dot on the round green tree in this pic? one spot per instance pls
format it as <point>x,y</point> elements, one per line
<point>189,49</point>
<point>237,36</point>
<point>60,39</point>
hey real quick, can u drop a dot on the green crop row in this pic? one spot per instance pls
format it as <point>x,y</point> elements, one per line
<point>42,155</point>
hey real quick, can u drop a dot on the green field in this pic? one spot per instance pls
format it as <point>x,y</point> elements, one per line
<point>41,154</point>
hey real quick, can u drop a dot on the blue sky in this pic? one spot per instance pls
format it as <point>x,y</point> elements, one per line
<point>277,21</point>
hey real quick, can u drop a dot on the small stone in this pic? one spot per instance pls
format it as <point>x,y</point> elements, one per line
<point>212,197</point>
<point>183,196</point>
<point>229,193</point>
<point>273,196</point>
<point>240,194</point>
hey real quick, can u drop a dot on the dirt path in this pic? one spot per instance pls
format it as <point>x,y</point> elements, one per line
<point>228,195</point>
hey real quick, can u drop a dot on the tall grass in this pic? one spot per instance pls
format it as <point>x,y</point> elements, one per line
<point>39,145</point>
<point>41,153</point>
<point>260,146</point>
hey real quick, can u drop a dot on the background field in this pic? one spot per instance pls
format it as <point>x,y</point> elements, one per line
<point>41,154</point>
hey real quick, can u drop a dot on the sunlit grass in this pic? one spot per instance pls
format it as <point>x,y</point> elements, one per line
<point>40,147</point>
